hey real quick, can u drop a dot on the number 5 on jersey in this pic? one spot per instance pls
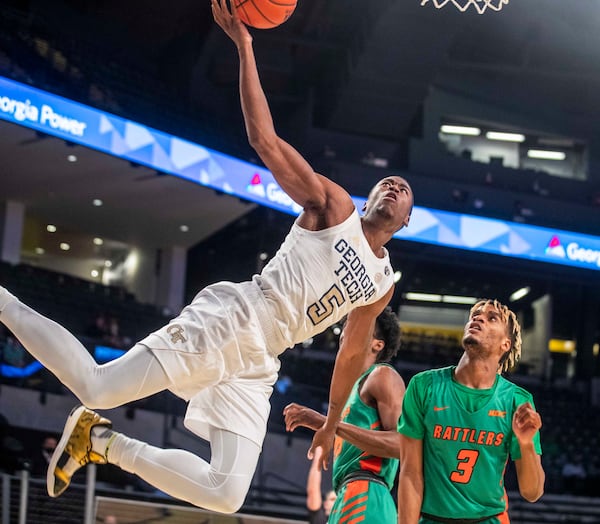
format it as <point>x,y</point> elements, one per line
<point>324,307</point>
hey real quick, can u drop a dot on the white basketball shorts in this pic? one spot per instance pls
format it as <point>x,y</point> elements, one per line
<point>217,356</point>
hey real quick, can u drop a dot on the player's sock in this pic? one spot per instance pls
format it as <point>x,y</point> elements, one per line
<point>102,437</point>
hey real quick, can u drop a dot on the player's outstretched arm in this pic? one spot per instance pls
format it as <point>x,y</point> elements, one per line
<point>385,388</point>
<point>349,362</point>
<point>297,178</point>
<point>378,443</point>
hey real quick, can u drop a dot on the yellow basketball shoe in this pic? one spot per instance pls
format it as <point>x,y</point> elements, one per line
<point>74,449</point>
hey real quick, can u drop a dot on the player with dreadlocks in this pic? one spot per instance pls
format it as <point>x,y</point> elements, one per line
<point>461,423</point>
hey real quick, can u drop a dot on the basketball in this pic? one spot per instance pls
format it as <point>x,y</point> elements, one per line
<point>264,14</point>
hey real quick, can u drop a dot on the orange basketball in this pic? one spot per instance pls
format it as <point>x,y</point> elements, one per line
<point>264,14</point>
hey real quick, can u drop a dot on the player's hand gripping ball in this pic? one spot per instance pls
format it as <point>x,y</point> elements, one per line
<point>264,14</point>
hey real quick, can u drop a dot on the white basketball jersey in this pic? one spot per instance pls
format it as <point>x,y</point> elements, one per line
<point>318,277</point>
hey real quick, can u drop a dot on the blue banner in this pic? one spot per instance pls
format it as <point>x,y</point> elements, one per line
<point>16,372</point>
<point>106,353</point>
<point>111,134</point>
<point>503,238</point>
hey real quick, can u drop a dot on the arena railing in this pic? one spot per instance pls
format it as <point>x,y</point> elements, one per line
<point>25,501</point>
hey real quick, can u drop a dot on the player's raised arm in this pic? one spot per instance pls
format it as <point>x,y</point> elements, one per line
<point>348,365</point>
<point>530,473</point>
<point>307,188</point>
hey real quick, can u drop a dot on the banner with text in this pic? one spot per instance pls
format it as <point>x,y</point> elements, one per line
<point>123,138</point>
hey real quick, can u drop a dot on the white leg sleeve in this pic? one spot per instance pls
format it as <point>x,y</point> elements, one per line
<point>137,374</point>
<point>219,486</point>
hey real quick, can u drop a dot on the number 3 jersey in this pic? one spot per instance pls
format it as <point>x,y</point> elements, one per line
<point>467,439</point>
<point>318,277</point>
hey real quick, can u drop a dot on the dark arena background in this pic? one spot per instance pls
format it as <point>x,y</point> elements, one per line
<point>488,116</point>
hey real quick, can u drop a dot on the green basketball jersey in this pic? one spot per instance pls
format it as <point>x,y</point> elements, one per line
<point>349,458</point>
<point>467,439</point>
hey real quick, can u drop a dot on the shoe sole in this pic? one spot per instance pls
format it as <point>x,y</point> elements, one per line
<point>57,481</point>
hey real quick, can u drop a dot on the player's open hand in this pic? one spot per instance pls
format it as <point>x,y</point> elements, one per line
<point>297,415</point>
<point>526,422</point>
<point>230,21</point>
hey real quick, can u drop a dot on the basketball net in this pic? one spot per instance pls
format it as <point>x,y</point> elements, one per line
<point>462,5</point>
